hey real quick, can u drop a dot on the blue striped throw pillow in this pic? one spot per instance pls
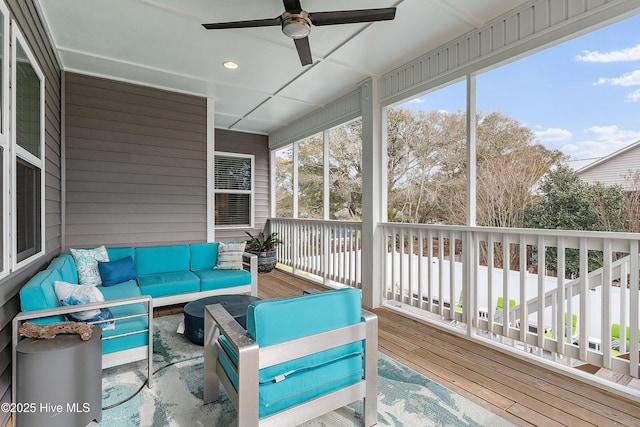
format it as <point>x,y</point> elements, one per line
<point>230,256</point>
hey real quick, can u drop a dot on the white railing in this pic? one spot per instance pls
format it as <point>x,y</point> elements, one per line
<point>328,251</point>
<point>463,275</point>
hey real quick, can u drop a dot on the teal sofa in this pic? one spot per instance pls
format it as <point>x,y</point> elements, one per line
<point>168,274</point>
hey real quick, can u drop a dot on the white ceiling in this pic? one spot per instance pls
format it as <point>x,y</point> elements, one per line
<point>161,43</point>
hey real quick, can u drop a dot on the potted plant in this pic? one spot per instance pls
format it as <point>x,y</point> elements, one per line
<point>264,246</point>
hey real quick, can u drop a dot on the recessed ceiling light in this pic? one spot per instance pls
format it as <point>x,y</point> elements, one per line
<point>230,65</point>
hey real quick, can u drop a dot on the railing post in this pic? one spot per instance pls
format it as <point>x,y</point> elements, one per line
<point>326,238</point>
<point>469,281</point>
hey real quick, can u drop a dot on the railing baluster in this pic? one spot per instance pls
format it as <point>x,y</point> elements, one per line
<point>415,271</point>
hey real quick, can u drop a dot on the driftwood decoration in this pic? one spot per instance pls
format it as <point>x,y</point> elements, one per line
<point>31,330</point>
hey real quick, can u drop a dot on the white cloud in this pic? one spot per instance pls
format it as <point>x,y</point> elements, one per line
<point>613,134</point>
<point>634,96</point>
<point>628,54</point>
<point>627,79</point>
<point>553,134</point>
<point>605,140</point>
<point>416,101</point>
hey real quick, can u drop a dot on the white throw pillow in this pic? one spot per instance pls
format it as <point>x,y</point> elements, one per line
<point>86,261</point>
<point>69,294</point>
<point>230,256</point>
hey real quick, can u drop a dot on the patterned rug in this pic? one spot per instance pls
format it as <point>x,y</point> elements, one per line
<point>405,398</point>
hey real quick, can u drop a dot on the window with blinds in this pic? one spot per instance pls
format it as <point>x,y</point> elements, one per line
<point>28,144</point>
<point>233,190</point>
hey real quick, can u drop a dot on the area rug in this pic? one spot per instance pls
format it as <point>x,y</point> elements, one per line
<point>405,397</point>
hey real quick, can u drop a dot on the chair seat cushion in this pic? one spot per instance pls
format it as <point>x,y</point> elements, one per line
<point>279,320</point>
<point>309,384</point>
<point>299,386</point>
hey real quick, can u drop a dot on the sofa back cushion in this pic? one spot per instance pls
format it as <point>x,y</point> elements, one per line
<point>64,262</point>
<point>120,253</point>
<point>161,259</point>
<point>39,293</point>
<point>278,320</point>
<point>204,256</point>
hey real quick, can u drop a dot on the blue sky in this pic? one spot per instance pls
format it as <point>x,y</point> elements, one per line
<point>581,97</point>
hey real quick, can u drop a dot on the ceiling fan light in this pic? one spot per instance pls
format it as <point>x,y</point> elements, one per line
<point>296,25</point>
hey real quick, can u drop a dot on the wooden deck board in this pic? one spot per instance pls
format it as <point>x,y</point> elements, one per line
<point>521,392</point>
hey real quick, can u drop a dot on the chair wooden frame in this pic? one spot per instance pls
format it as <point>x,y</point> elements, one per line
<point>252,358</point>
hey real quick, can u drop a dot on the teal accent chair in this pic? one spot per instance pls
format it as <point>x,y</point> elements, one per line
<point>299,358</point>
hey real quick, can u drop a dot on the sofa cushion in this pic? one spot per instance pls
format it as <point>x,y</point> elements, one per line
<point>64,262</point>
<point>120,252</point>
<point>69,294</point>
<point>204,256</point>
<point>278,320</point>
<point>230,256</point>
<point>136,327</point>
<point>161,259</point>
<point>218,279</point>
<point>86,261</point>
<point>38,294</point>
<point>160,285</point>
<point>128,289</point>
<point>114,272</point>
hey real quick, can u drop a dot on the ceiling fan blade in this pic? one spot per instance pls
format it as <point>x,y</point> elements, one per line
<point>304,50</point>
<point>292,5</point>
<point>352,16</point>
<point>244,24</point>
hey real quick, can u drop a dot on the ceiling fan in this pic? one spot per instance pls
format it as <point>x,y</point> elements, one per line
<point>296,23</point>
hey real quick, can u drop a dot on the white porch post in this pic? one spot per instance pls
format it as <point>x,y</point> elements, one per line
<point>211,148</point>
<point>469,300</point>
<point>373,194</point>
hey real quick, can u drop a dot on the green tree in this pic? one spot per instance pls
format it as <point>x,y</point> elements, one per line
<point>284,183</point>
<point>345,171</point>
<point>310,178</point>
<point>569,203</point>
<point>427,165</point>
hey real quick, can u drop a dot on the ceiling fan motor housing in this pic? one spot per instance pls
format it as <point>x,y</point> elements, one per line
<point>296,24</point>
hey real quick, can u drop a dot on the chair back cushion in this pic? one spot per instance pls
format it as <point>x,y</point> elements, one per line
<point>279,320</point>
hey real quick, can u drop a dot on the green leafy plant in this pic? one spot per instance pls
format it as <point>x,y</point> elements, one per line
<point>262,242</point>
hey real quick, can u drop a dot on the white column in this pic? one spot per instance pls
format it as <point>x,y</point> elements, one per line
<point>469,301</point>
<point>373,194</point>
<point>471,150</point>
<point>211,148</point>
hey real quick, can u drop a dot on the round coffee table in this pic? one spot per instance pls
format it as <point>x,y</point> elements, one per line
<point>236,306</point>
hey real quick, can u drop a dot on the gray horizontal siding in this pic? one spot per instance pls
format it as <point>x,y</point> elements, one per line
<point>27,19</point>
<point>258,145</point>
<point>136,164</point>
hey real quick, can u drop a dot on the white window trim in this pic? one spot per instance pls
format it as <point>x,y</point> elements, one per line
<point>16,151</point>
<point>250,192</point>
<point>4,140</point>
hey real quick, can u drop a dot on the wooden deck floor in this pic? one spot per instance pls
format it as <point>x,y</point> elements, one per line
<point>521,392</point>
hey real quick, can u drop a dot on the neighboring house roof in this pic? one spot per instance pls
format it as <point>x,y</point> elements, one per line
<point>616,168</point>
